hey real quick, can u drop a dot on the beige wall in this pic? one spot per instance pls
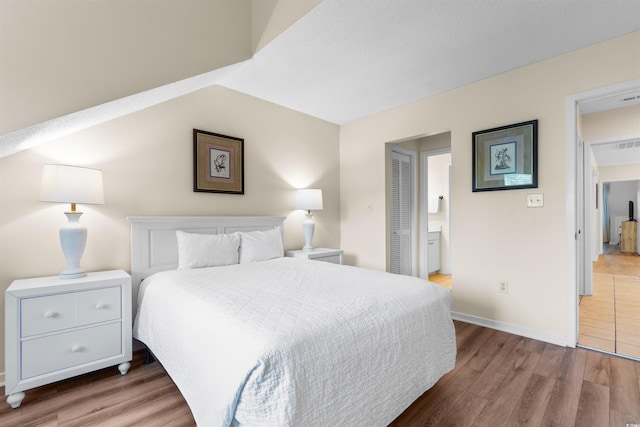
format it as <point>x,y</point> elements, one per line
<point>619,172</point>
<point>146,160</point>
<point>59,57</point>
<point>620,123</point>
<point>269,18</point>
<point>495,237</point>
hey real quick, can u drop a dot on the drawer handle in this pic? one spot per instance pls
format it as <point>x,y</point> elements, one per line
<point>75,349</point>
<point>101,306</point>
<point>50,314</point>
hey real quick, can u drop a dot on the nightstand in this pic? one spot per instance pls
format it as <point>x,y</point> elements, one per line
<point>59,328</point>
<point>318,254</point>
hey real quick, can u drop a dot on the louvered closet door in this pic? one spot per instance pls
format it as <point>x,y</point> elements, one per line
<point>400,213</point>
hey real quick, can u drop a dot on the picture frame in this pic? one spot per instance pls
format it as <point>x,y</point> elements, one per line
<point>218,163</point>
<point>506,157</point>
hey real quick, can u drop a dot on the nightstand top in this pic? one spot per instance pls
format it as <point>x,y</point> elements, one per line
<point>316,251</point>
<point>24,285</point>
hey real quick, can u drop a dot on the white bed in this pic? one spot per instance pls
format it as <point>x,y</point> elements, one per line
<point>284,341</point>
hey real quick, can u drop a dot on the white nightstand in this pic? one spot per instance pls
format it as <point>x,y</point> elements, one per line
<point>57,329</point>
<point>318,254</point>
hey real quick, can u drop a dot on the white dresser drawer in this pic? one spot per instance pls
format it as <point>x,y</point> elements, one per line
<point>98,305</point>
<point>47,314</point>
<point>60,351</point>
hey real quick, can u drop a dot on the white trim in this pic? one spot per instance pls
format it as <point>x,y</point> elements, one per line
<point>571,135</point>
<point>512,329</point>
<point>2,379</point>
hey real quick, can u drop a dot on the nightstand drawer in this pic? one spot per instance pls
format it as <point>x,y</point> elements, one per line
<point>99,305</point>
<point>336,259</point>
<point>55,352</point>
<point>47,314</point>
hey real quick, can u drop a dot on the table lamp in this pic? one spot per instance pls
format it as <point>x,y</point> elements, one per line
<point>309,199</point>
<point>72,184</point>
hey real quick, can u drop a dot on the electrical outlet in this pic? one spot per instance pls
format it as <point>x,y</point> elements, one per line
<point>503,287</point>
<point>535,200</point>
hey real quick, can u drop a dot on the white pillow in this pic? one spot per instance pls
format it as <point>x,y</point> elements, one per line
<point>260,245</point>
<point>206,250</point>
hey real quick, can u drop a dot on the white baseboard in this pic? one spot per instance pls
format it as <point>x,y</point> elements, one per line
<point>512,329</point>
<point>2,378</point>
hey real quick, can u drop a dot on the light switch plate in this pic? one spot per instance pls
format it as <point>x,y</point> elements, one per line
<point>535,200</point>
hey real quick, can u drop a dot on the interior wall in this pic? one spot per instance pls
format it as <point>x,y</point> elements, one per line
<point>269,18</point>
<point>59,57</point>
<point>497,238</point>
<point>611,124</point>
<point>147,159</point>
<point>618,172</point>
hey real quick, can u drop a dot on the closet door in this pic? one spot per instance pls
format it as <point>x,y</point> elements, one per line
<point>401,254</point>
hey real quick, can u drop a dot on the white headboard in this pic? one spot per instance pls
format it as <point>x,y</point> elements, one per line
<point>154,246</point>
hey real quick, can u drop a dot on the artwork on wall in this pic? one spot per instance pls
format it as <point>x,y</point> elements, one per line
<point>218,163</point>
<point>506,158</point>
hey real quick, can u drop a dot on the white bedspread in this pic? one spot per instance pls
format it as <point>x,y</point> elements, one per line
<point>291,342</point>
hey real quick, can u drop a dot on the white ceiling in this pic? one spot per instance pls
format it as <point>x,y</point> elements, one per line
<point>626,152</point>
<point>348,59</point>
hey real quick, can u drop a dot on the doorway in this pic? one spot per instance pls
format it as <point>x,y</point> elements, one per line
<point>609,317</point>
<point>436,213</point>
<point>411,156</point>
<point>579,252</point>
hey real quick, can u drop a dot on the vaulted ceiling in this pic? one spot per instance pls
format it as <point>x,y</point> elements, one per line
<point>66,65</point>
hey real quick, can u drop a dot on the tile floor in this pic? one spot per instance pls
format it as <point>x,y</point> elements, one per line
<point>610,318</point>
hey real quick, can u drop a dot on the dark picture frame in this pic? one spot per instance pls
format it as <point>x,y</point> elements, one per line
<point>506,157</point>
<point>218,163</point>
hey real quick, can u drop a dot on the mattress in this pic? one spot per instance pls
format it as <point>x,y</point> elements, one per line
<point>293,342</point>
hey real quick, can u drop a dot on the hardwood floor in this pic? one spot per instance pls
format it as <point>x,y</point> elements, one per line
<point>610,318</point>
<point>499,380</point>
<point>506,380</point>
<point>441,279</point>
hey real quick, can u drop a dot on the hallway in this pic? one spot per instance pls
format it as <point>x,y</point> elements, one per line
<point>610,318</point>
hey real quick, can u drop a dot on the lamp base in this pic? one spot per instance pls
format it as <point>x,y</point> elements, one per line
<point>307,229</point>
<point>73,238</point>
<point>72,275</point>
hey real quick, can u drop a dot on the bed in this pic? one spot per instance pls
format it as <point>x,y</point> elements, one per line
<point>275,341</point>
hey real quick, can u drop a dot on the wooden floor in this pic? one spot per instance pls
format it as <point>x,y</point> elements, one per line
<point>499,380</point>
<point>610,318</point>
<point>441,279</point>
<point>506,380</point>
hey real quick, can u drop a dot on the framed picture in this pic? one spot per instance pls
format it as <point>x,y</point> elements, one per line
<point>506,158</point>
<point>218,163</point>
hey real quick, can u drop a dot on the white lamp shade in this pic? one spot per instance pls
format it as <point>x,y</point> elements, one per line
<point>309,199</point>
<point>72,184</point>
